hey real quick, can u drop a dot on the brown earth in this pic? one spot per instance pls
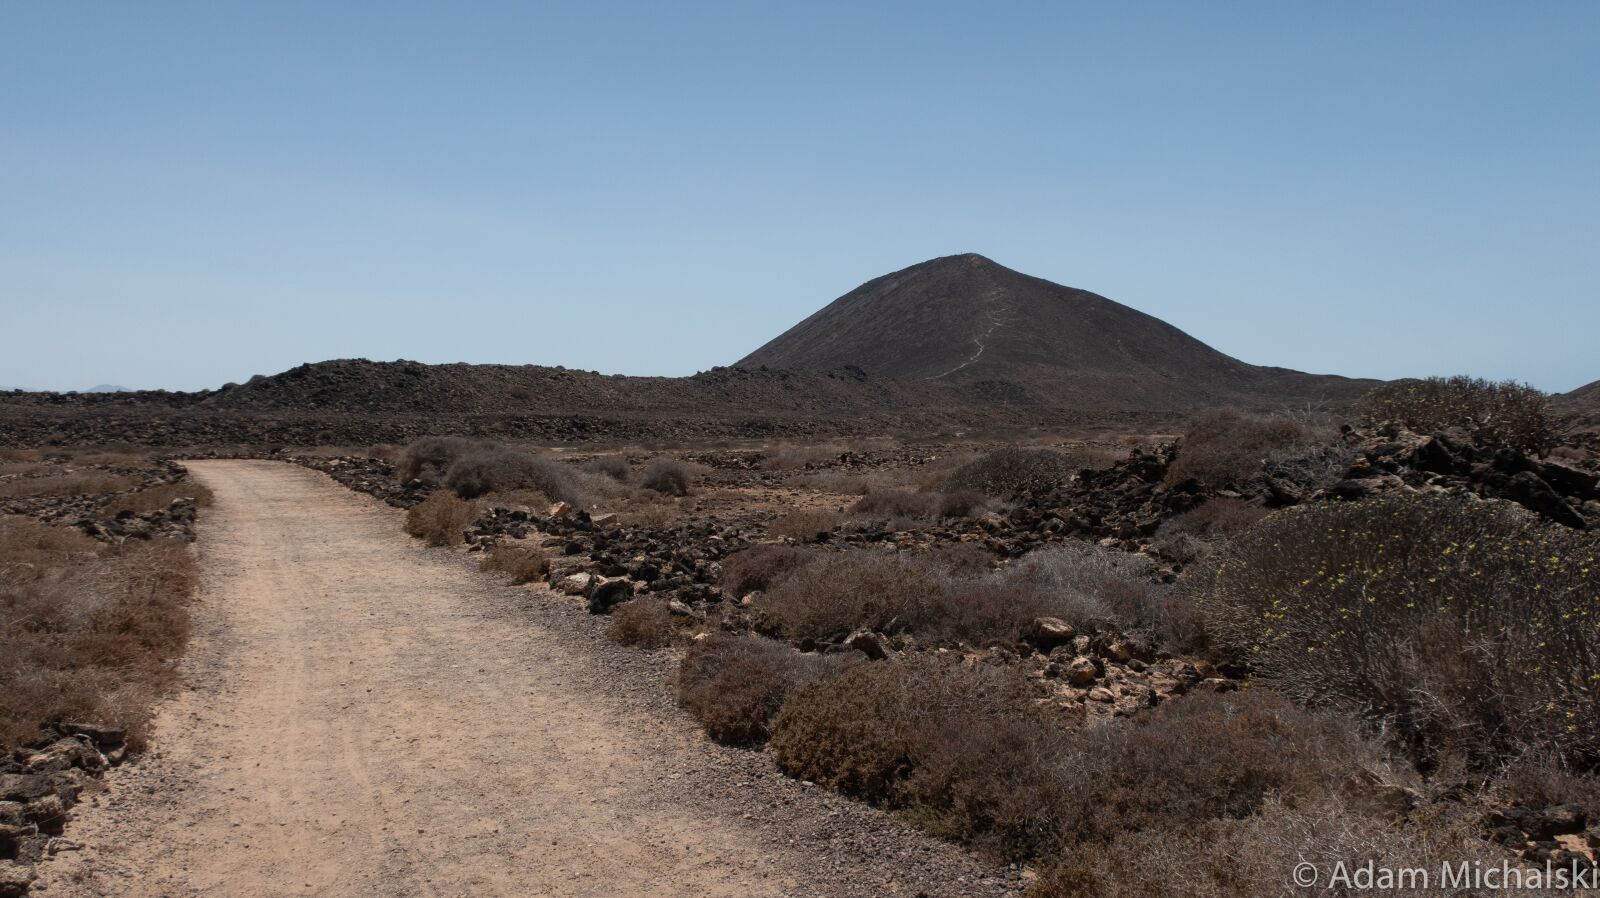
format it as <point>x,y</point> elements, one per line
<point>368,717</point>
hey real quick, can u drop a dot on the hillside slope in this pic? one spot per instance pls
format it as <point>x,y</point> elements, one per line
<point>966,319</point>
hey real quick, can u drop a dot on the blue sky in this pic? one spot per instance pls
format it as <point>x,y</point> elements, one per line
<point>194,193</point>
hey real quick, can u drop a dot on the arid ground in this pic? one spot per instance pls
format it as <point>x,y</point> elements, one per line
<point>364,716</point>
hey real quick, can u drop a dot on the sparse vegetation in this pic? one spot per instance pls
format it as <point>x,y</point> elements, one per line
<point>805,525</point>
<point>87,631</point>
<point>734,685</point>
<point>837,592</point>
<point>757,567</point>
<point>1498,413</point>
<point>492,469</point>
<point>441,519</point>
<point>666,476</point>
<point>645,623</point>
<point>427,459</point>
<point>1011,470</point>
<point>965,751</point>
<point>156,498</point>
<point>1464,628</point>
<point>1226,448</point>
<point>613,466</point>
<point>523,564</point>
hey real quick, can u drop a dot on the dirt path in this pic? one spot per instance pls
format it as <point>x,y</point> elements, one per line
<point>366,717</point>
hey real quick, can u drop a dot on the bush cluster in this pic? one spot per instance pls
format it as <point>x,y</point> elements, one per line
<point>758,567</point>
<point>907,506</point>
<point>1498,413</point>
<point>952,598</point>
<point>734,685</point>
<point>474,468</point>
<point>1464,627</point>
<point>966,751</point>
<point>1226,448</point>
<point>1013,470</point>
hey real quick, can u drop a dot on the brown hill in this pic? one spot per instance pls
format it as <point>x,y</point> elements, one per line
<point>1583,404</point>
<point>968,320</point>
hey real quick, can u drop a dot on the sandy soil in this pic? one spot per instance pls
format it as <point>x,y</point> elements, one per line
<point>367,717</point>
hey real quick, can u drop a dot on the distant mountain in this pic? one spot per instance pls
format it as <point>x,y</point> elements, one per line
<point>966,320</point>
<point>108,388</point>
<point>1583,404</point>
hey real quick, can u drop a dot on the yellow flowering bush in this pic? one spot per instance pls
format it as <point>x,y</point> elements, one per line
<point>1457,625</point>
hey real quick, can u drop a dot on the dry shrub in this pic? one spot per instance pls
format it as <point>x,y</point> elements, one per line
<point>159,497</point>
<point>441,519</point>
<point>985,612</point>
<point>805,525</point>
<point>1257,855</point>
<point>836,592</point>
<point>788,458</point>
<point>612,466</point>
<point>967,753</point>
<point>492,469</point>
<point>87,632</point>
<point>905,507</point>
<point>1196,533</point>
<point>667,476</point>
<point>1093,587</point>
<point>758,567</point>
<point>523,564</point>
<point>1463,627</point>
<point>891,504</point>
<point>734,685</point>
<point>848,483</point>
<point>645,623</point>
<point>1013,470</point>
<point>1226,448</point>
<point>428,458</point>
<point>77,483</point>
<point>1504,413</point>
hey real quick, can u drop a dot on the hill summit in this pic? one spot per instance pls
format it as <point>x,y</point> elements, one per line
<point>967,319</point>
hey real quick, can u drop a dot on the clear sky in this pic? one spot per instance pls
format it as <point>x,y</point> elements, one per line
<point>192,193</point>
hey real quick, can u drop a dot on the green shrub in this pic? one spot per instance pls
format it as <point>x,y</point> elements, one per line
<point>1498,413</point>
<point>1461,626</point>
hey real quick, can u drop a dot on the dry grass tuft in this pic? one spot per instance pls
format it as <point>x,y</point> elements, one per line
<point>157,498</point>
<point>87,632</point>
<point>645,623</point>
<point>523,564</point>
<point>441,519</point>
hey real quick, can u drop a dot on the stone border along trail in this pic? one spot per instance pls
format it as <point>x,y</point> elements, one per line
<point>364,716</point>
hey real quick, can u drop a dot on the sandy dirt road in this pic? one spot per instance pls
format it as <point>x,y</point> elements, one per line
<point>367,717</point>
